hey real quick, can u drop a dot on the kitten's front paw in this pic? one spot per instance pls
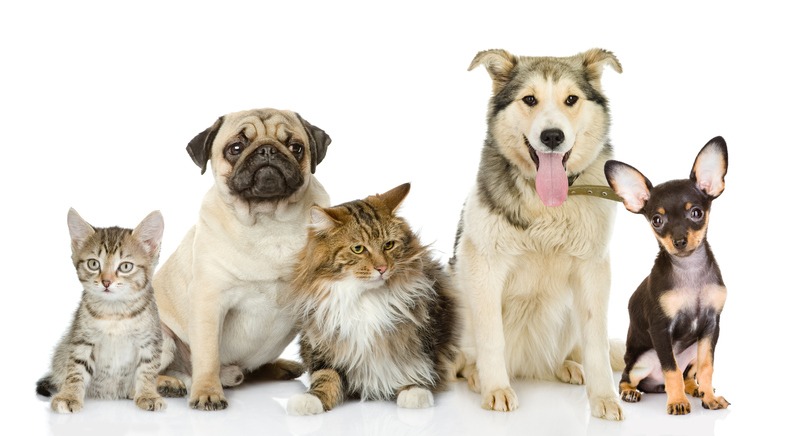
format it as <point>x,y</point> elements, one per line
<point>171,387</point>
<point>571,372</point>
<point>415,398</point>
<point>501,400</point>
<point>66,404</point>
<point>607,408</point>
<point>150,403</point>
<point>304,404</point>
<point>207,399</point>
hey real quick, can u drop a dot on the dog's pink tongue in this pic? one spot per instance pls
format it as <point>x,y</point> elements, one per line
<point>551,179</point>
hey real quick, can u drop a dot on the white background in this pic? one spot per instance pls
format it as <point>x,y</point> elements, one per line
<point>98,101</point>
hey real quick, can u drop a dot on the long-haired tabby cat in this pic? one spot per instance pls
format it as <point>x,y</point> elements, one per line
<point>377,320</point>
<point>113,347</point>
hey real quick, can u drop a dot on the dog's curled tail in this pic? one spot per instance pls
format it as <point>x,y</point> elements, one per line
<point>617,349</point>
<point>45,386</point>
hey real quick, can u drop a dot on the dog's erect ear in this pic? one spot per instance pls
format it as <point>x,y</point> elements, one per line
<point>318,142</point>
<point>80,230</point>
<point>710,167</point>
<point>499,64</point>
<point>393,198</point>
<point>150,231</point>
<point>199,148</point>
<point>594,61</point>
<point>633,187</point>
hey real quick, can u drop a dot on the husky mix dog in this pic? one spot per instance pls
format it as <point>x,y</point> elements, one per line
<point>531,263</point>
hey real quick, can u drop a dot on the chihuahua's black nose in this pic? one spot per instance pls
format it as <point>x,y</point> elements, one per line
<point>680,243</point>
<point>552,138</point>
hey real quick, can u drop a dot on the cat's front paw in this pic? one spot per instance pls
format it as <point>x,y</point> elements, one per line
<point>150,403</point>
<point>415,398</point>
<point>66,404</point>
<point>304,404</point>
<point>171,387</point>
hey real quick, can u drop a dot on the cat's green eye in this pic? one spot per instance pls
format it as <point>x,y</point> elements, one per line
<point>126,267</point>
<point>389,245</point>
<point>358,249</point>
<point>93,264</point>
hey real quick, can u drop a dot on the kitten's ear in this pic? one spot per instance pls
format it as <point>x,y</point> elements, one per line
<point>199,148</point>
<point>321,219</point>
<point>393,198</point>
<point>80,230</point>
<point>633,187</point>
<point>318,142</point>
<point>150,231</point>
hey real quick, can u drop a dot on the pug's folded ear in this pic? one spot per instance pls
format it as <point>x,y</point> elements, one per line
<point>318,142</point>
<point>199,148</point>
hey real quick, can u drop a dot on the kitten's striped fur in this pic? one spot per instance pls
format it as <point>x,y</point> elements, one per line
<point>113,347</point>
<point>377,316</point>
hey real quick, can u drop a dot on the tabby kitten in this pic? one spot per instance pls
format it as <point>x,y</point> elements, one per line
<point>113,347</point>
<point>377,320</point>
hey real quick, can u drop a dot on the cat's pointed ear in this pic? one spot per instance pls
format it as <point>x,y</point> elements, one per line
<point>80,230</point>
<point>393,198</point>
<point>321,219</point>
<point>199,148</point>
<point>150,231</point>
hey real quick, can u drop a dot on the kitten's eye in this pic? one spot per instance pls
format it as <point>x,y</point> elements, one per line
<point>235,148</point>
<point>389,245</point>
<point>126,267</point>
<point>93,264</point>
<point>657,221</point>
<point>696,213</point>
<point>530,100</point>
<point>571,100</point>
<point>296,149</point>
<point>358,249</point>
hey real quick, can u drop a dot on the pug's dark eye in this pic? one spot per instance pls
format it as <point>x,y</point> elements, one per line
<point>696,213</point>
<point>530,100</point>
<point>296,149</point>
<point>571,100</point>
<point>657,221</point>
<point>235,148</point>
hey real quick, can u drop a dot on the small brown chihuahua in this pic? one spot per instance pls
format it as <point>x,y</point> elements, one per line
<point>675,313</point>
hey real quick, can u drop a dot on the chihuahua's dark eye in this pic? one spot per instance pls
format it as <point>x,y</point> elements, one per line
<point>530,100</point>
<point>657,221</point>
<point>296,149</point>
<point>235,148</point>
<point>696,213</point>
<point>571,100</point>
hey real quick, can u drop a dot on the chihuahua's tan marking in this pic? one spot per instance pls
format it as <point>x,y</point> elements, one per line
<point>677,404</point>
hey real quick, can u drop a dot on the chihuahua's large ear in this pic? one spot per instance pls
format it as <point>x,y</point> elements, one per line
<point>594,61</point>
<point>633,187</point>
<point>318,142</point>
<point>710,167</point>
<point>499,64</point>
<point>199,148</point>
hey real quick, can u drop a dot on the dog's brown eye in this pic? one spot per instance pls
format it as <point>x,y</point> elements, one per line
<point>296,149</point>
<point>696,213</point>
<point>235,148</point>
<point>571,100</point>
<point>656,221</point>
<point>530,100</point>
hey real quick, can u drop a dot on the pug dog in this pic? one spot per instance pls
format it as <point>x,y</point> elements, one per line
<point>218,292</point>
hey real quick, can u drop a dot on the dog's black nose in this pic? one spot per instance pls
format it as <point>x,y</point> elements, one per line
<point>680,243</point>
<point>267,150</point>
<point>552,137</point>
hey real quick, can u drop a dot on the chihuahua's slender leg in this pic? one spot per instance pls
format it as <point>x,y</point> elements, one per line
<point>705,362</point>
<point>677,403</point>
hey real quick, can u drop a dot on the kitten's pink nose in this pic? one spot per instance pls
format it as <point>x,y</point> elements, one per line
<point>106,283</point>
<point>381,269</point>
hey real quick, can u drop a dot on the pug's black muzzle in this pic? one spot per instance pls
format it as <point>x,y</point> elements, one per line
<point>266,174</point>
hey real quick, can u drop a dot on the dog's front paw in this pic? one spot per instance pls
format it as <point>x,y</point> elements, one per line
<point>304,404</point>
<point>66,404</point>
<point>415,398</point>
<point>171,387</point>
<point>501,400</point>
<point>207,399</point>
<point>630,395</point>
<point>571,372</point>
<point>606,408</point>
<point>680,407</point>
<point>715,403</point>
<point>150,403</point>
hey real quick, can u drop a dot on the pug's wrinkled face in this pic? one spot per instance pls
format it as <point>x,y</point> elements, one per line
<point>262,155</point>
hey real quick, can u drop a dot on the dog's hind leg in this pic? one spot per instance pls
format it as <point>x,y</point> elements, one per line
<point>571,372</point>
